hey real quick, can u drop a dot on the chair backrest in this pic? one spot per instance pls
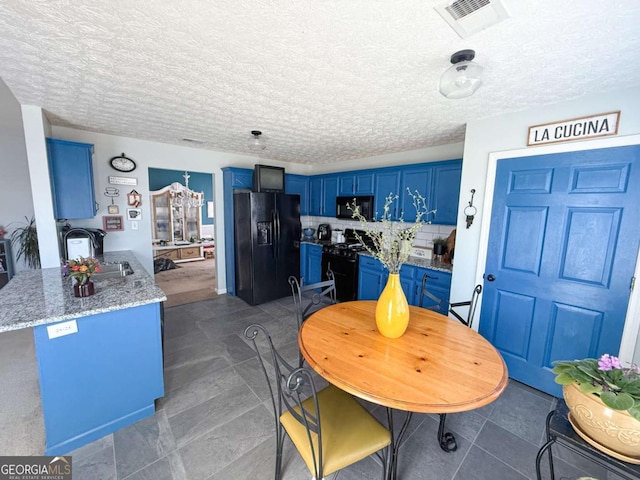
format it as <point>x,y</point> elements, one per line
<point>293,385</point>
<point>477,290</point>
<point>438,307</point>
<point>311,298</point>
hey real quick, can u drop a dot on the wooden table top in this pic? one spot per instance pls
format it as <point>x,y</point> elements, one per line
<point>437,366</point>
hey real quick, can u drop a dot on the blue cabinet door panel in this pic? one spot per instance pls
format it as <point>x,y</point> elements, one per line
<point>71,174</point>
<point>416,180</point>
<point>387,182</point>
<point>329,194</point>
<point>315,196</point>
<point>298,184</point>
<point>314,265</point>
<point>446,192</point>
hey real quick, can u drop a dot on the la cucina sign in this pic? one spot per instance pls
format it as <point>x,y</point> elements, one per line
<point>581,128</point>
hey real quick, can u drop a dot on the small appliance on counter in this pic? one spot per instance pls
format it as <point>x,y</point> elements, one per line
<point>82,242</point>
<point>337,236</point>
<point>324,232</point>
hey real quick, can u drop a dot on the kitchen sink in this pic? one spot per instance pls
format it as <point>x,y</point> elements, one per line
<point>113,270</point>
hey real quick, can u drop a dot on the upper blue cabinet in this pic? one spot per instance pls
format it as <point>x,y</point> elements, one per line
<point>356,183</point>
<point>298,184</point>
<point>323,190</point>
<point>446,192</point>
<point>71,174</point>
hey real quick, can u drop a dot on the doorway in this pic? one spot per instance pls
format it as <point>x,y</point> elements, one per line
<point>183,238</point>
<point>562,250</point>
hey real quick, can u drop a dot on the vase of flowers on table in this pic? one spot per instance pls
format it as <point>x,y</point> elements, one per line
<point>80,270</point>
<point>604,403</point>
<point>392,242</point>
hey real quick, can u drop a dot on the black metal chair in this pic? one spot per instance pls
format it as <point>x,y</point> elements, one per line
<point>329,428</point>
<point>446,439</point>
<point>425,293</point>
<point>308,299</point>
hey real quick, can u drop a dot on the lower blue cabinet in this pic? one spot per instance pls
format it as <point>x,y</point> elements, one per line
<point>311,263</point>
<point>373,278</point>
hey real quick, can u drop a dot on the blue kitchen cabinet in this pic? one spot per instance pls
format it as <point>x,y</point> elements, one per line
<point>446,192</point>
<point>372,278</point>
<point>386,181</point>
<point>438,283</point>
<point>313,264</point>
<point>71,174</point>
<point>414,179</point>
<point>356,183</point>
<point>323,190</point>
<point>304,252</point>
<point>232,179</point>
<point>103,377</point>
<point>298,184</point>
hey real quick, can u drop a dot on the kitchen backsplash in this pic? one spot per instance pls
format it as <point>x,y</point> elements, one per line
<point>424,238</point>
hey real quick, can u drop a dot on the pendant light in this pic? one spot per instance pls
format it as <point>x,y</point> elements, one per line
<point>256,143</point>
<point>462,78</point>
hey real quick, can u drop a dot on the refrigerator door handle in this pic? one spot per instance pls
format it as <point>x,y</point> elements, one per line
<point>274,235</point>
<point>278,233</point>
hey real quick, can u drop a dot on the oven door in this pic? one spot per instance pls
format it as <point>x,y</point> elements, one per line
<point>345,272</point>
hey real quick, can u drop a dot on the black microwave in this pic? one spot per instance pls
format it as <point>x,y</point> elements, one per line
<point>364,202</point>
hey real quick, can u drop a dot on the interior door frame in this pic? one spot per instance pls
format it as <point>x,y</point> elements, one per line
<point>631,329</point>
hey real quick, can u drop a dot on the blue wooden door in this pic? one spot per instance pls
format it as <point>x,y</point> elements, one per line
<point>562,250</point>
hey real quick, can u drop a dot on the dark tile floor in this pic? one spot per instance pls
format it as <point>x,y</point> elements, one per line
<point>215,421</point>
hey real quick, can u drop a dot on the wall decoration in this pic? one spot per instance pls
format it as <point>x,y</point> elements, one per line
<point>112,223</point>
<point>134,199</point>
<point>112,193</point>
<point>581,128</point>
<point>123,180</point>
<point>134,214</point>
<point>122,163</point>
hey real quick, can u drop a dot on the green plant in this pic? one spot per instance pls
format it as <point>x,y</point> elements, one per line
<point>618,387</point>
<point>392,241</point>
<point>440,241</point>
<point>81,269</point>
<point>26,237</point>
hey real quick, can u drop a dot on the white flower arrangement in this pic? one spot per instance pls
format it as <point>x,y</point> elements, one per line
<point>392,241</point>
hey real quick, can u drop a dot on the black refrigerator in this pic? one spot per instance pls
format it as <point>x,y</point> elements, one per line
<point>267,240</point>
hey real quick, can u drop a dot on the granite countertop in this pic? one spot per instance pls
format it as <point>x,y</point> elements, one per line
<point>38,297</point>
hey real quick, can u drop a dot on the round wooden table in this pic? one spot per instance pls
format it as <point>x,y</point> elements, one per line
<point>437,366</point>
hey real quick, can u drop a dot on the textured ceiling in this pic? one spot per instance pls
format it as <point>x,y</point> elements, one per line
<point>325,81</point>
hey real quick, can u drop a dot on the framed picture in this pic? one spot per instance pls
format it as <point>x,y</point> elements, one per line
<point>112,223</point>
<point>134,213</point>
<point>113,209</point>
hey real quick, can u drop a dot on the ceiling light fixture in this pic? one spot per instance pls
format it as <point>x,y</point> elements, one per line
<point>255,142</point>
<point>462,78</point>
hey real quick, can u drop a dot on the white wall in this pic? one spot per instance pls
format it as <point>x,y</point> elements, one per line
<point>157,155</point>
<point>15,187</point>
<point>509,132</point>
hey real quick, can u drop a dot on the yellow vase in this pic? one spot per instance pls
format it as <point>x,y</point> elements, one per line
<point>392,310</point>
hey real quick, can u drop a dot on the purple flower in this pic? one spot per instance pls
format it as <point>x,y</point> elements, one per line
<point>607,362</point>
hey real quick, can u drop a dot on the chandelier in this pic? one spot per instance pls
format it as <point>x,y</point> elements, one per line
<point>185,197</point>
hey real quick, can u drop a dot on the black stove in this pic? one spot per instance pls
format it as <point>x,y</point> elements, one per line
<point>342,259</point>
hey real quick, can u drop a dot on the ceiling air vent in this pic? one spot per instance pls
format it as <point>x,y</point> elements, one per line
<point>467,17</point>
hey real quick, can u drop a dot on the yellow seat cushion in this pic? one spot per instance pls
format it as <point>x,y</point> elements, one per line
<point>349,432</point>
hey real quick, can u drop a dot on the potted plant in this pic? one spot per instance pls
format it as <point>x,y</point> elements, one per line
<point>26,237</point>
<point>81,270</point>
<point>604,403</point>
<point>439,246</point>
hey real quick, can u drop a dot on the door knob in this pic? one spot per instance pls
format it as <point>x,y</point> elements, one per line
<point>490,278</point>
